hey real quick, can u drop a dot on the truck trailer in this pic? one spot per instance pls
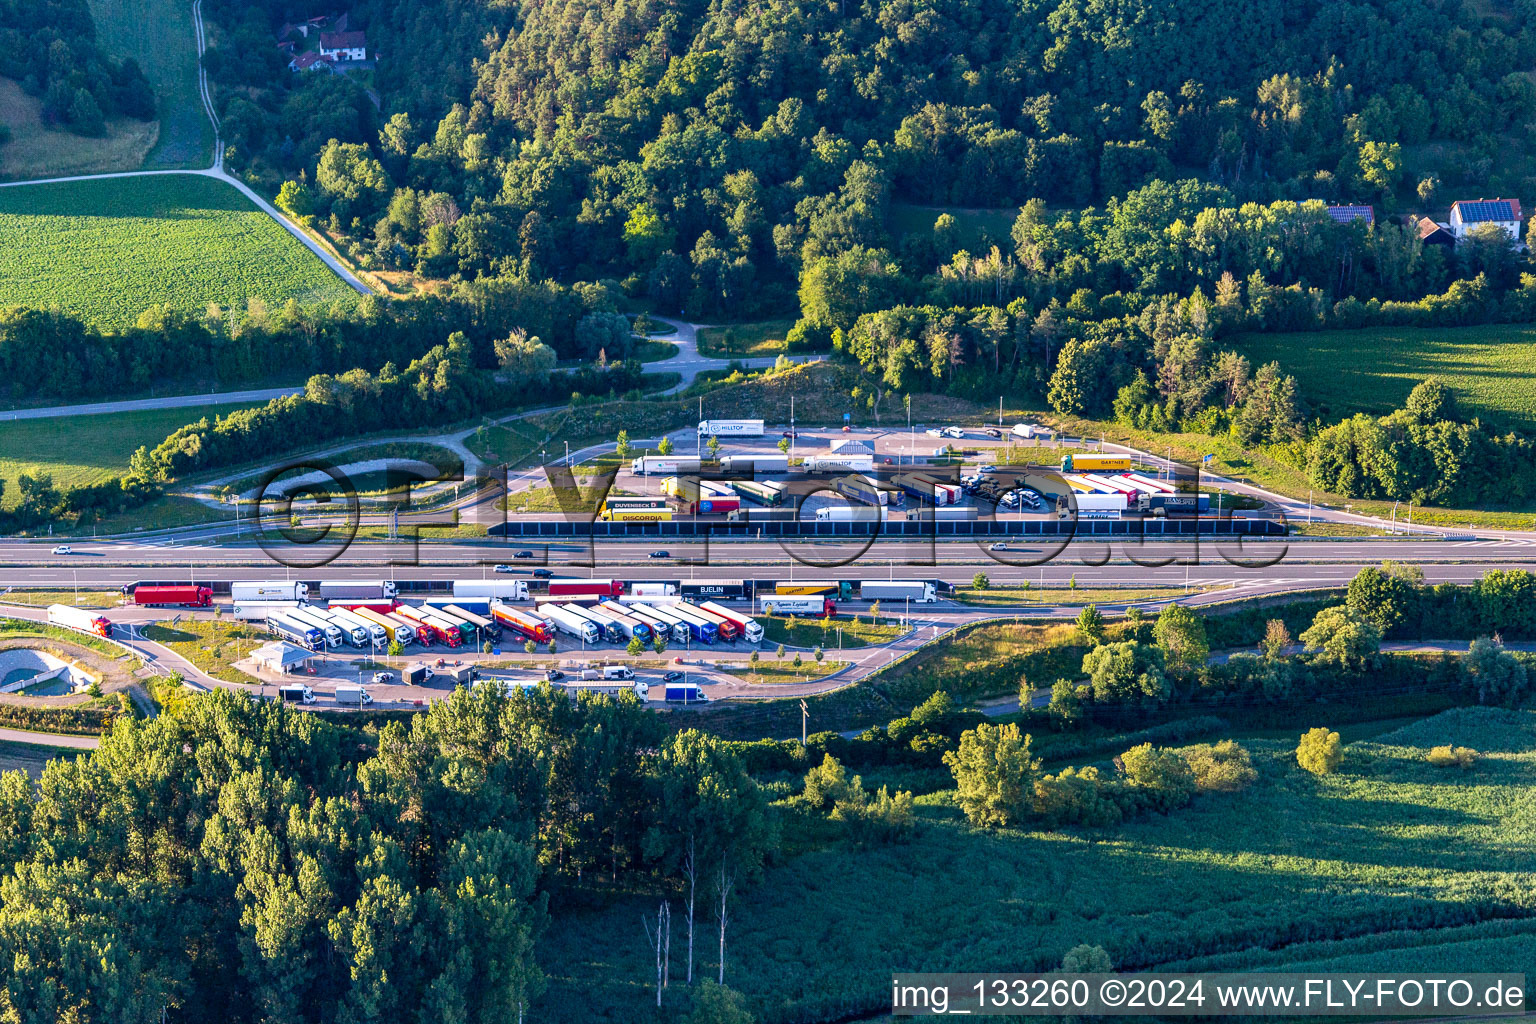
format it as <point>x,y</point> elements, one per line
<point>486,628</point>
<point>705,631</point>
<point>183,596</point>
<point>486,590</point>
<point>245,593</point>
<point>435,629</point>
<point>797,604</point>
<point>578,626</point>
<point>867,491</point>
<point>731,428</point>
<point>353,695</point>
<point>765,492</point>
<point>716,590</point>
<point>398,632</point>
<point>360,632</point>
<point>297,632</point>
<point>1095,463</point>
<point>577,587</point>
<point>334,637</point>
<point>841,589</point>
<point>746,627</point>
<point>662,620</point>
<point>636,515</point>
<point>520,622</point>
<point>755,463</point>
<point>725,627</point>
<point>631,627</point>
<point>261,611</point>
<point>361,590</point>
<point>839,464</point>
<point>651,465</point>
<point>898,590</point>
<point>606,626</point>
<point>853,514</point>
<point>79,618</point>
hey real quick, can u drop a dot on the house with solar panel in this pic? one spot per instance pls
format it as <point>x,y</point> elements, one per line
<point>1346,213</point>
<point>1467,215</point>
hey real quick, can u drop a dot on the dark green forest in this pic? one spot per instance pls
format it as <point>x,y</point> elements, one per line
<point>50,47</point>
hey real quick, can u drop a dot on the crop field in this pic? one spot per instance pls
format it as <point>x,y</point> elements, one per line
<point>1492,368</point>
<point>109,249</point>
<point>159,35</point>
<point>86,449</point>
<point>1390,864</point>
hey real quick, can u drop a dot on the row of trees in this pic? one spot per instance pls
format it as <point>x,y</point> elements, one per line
<point>232,860</point>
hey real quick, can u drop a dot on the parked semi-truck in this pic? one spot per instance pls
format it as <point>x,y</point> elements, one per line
<point>705,631</point>
<point>243,593</point>
<point>296,632</point>
<point>746,627</point>
<point>687,488</point>
<point>839,464</point>
<point>399,632</point>
<point>261,611</point>
<point>898,590</point>
<point>731,428</point>
<point>332,633</point>
<point>867,491</point>
<point>437,631</point>
<point>799,604</point>
<point>1094,506</point>
<point>79,618</point>
<point>1095,463</point>
<point>360,632</point>
<point>472,626</point>
<point>184,596</point>
<point>725,628</point>
<point>755,463</point>
<point>636,515</point>
<point>852,514</point>
<point>653,464</point>
<point>578,626</point>
<point>841,589</point>
<point>716,506</point>
<point>523,624</point>
<point>353,695</point>
<point>585,588</point>
<point>486,590</point>
<point>716,590</point>
<point>631,627</point>
<point>764,492</point>
<point>358,590</point>
<point>935,492</point>
<point>605,625</point>
<point>662,620</point>
<point>949,514</point>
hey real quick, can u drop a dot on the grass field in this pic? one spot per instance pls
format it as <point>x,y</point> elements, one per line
<point>212,646</point>
<point>43,598</point>
<point>159,35</point>
<point>976,227</point>
<point>1003,597</point>
<point>764,338</point>
<point>110,249</point>
<point>86,449</point>
<point>840,631</point>
<point>35,151</point>
<point>31,758</point>
<point>1390,864</point>
<point>1492,368</point>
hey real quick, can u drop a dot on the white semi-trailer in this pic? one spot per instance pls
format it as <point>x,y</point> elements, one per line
<point>578,626</point>
<point>898,590</point>
<point>281,590</point>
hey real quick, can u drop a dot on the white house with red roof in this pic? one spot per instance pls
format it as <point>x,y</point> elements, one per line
<point>344,45</point>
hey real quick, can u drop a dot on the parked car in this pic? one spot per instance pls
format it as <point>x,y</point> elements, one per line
<point>934,432</point>
<point>992,432</point>
<point>672,677</point>
<point>380,677</point>
<point>542,574</point>
<point>660,554</point>
<point>554,675</point>
<point>63,549</point>
<point>953,432</point>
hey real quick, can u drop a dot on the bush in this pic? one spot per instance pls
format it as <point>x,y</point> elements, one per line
<point>1453,757</point>
<point>1223,767</point>
<point>995,775</point>
<point>1161,773</point>
<point>882,818</point>
<point>1075,796</point>
<point>1319,751</point>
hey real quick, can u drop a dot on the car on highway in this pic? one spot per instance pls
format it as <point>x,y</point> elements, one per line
<point>525,553</point>
<point>659,554</point>
<point>379,678</point>
<point>672,677</point>
<point>63,549</point>
<point>542,574</point>
<point>999,546</point>
<point>503,568</point>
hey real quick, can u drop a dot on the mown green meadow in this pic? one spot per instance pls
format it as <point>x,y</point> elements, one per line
<point>1389,864</point>
<point>1492,367</point>
<point>109,249</point>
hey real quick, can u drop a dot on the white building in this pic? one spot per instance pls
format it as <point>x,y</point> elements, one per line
<point>344,45</point>
<point>1467,215</point>
<point>281,657</point>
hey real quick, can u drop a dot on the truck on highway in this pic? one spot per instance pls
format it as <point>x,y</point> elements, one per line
<point>853,514</point>
<point>685,693</point>
<point>746,627</point>
<point>184,596</point>
<point>705,631</point>
<point>436,630</point>
<point>244,593</point>
<point>296,693</point>
<point>79,618</point>
<point>397,631</point>
<point>839,464</point>
<point>652,464</point>
<point>798,604</point>
<point>332,633</point>
<point>916,591</point>
<point>486,590</point>
<point>297,632</point>
<point>578,626</point>
<point>867,491</point>
<point>725,628</point>
<point>716,590</point>
<point>631,627</point>
<point>662,621</point>
<point>606,626</point>
<point>353,695</point>
<point>731,428</point>
<point>755,463</point>
<point>361,591</point>
<point>361,632</point>
<point>577,587</point>
<point>523,624</point>
<point>840,589</point>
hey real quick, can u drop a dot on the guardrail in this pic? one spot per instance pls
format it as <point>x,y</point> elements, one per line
<point>1213,526</point>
